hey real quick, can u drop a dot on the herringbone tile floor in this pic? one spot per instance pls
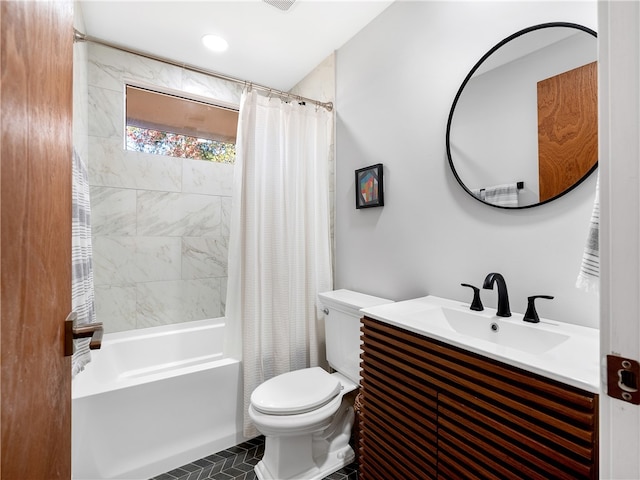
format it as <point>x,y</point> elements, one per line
<point>236,463</point>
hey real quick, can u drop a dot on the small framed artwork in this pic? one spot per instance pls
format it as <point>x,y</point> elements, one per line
<point>369,189</point>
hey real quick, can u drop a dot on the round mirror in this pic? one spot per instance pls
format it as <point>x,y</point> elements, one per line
<point>523,127</point>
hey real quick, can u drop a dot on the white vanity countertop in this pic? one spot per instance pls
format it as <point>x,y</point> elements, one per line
<point>574,361</point>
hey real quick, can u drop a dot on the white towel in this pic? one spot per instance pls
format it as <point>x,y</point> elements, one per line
<point>82,291</point>
<point>589,275</point>
<point>503,195</point>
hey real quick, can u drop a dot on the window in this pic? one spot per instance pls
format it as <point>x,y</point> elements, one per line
<point>166,124</point>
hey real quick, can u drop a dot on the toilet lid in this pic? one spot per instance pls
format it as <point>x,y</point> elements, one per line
<point>296,392</point>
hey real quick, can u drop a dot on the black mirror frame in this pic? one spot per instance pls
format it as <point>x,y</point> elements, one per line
<point>464,83</point>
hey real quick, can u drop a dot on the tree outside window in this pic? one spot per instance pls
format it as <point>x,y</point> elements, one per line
<point>176,145</point>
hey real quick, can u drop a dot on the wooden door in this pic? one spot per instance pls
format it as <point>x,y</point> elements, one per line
<point>567,129</point>
<point>36,149</point>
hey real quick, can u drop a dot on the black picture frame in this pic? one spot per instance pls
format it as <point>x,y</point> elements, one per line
<point>369,186</point>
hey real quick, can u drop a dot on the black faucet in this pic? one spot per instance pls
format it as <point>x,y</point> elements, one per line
<point>531,315</point>
<point>476,304</point>
<point>503,296</point>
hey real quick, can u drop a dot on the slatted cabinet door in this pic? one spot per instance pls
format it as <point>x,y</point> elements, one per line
<point>461,415</point>
<point>398,419</point>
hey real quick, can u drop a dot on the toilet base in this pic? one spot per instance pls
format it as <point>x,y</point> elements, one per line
<point>309,456</point>
<point>334,462</point>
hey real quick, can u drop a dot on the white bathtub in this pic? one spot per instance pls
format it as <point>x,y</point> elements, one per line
<point>154,399</point>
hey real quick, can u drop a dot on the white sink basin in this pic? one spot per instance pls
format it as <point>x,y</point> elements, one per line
<point>562,351</point>
<point>498,330</point>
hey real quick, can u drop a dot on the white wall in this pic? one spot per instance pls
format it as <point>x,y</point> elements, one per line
<point>396,81</point>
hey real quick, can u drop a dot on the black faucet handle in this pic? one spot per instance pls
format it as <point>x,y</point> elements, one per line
<point>531,315</point>
<point>476,304</point>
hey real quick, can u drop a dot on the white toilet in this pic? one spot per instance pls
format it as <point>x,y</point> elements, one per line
<point>303,414</point>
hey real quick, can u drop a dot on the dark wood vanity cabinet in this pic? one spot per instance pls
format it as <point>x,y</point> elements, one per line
<point>431,410</point>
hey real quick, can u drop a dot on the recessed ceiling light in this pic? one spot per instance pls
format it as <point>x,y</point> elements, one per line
<point>215,43</point>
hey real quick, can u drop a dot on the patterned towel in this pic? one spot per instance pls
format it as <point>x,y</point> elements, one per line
<point>82,293</point>
<point>504,195</point>
<point>589,275</point>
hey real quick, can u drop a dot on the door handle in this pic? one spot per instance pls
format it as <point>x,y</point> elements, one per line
<point>73,331</point>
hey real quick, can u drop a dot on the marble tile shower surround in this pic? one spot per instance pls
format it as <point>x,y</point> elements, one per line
<point>80,94</point>
<point>160,224</point>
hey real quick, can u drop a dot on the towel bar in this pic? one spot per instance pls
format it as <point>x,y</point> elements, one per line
<point>73,331</point>
<point>519,186</point>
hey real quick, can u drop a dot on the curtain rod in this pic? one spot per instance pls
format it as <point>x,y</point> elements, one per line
<point>81,37</point>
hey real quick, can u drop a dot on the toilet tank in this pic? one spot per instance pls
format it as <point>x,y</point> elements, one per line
<point>342,328</point>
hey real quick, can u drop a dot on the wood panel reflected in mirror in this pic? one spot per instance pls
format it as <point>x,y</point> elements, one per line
<point>567,129</point>
<point>522,130</point>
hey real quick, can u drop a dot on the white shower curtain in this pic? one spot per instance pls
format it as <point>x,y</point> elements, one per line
<point>280,247</point>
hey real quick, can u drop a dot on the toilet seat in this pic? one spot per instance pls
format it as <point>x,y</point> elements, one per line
<point>296,392</point>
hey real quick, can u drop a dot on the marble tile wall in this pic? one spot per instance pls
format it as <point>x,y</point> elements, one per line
<point>160,224</point>
<point>80,94</point>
